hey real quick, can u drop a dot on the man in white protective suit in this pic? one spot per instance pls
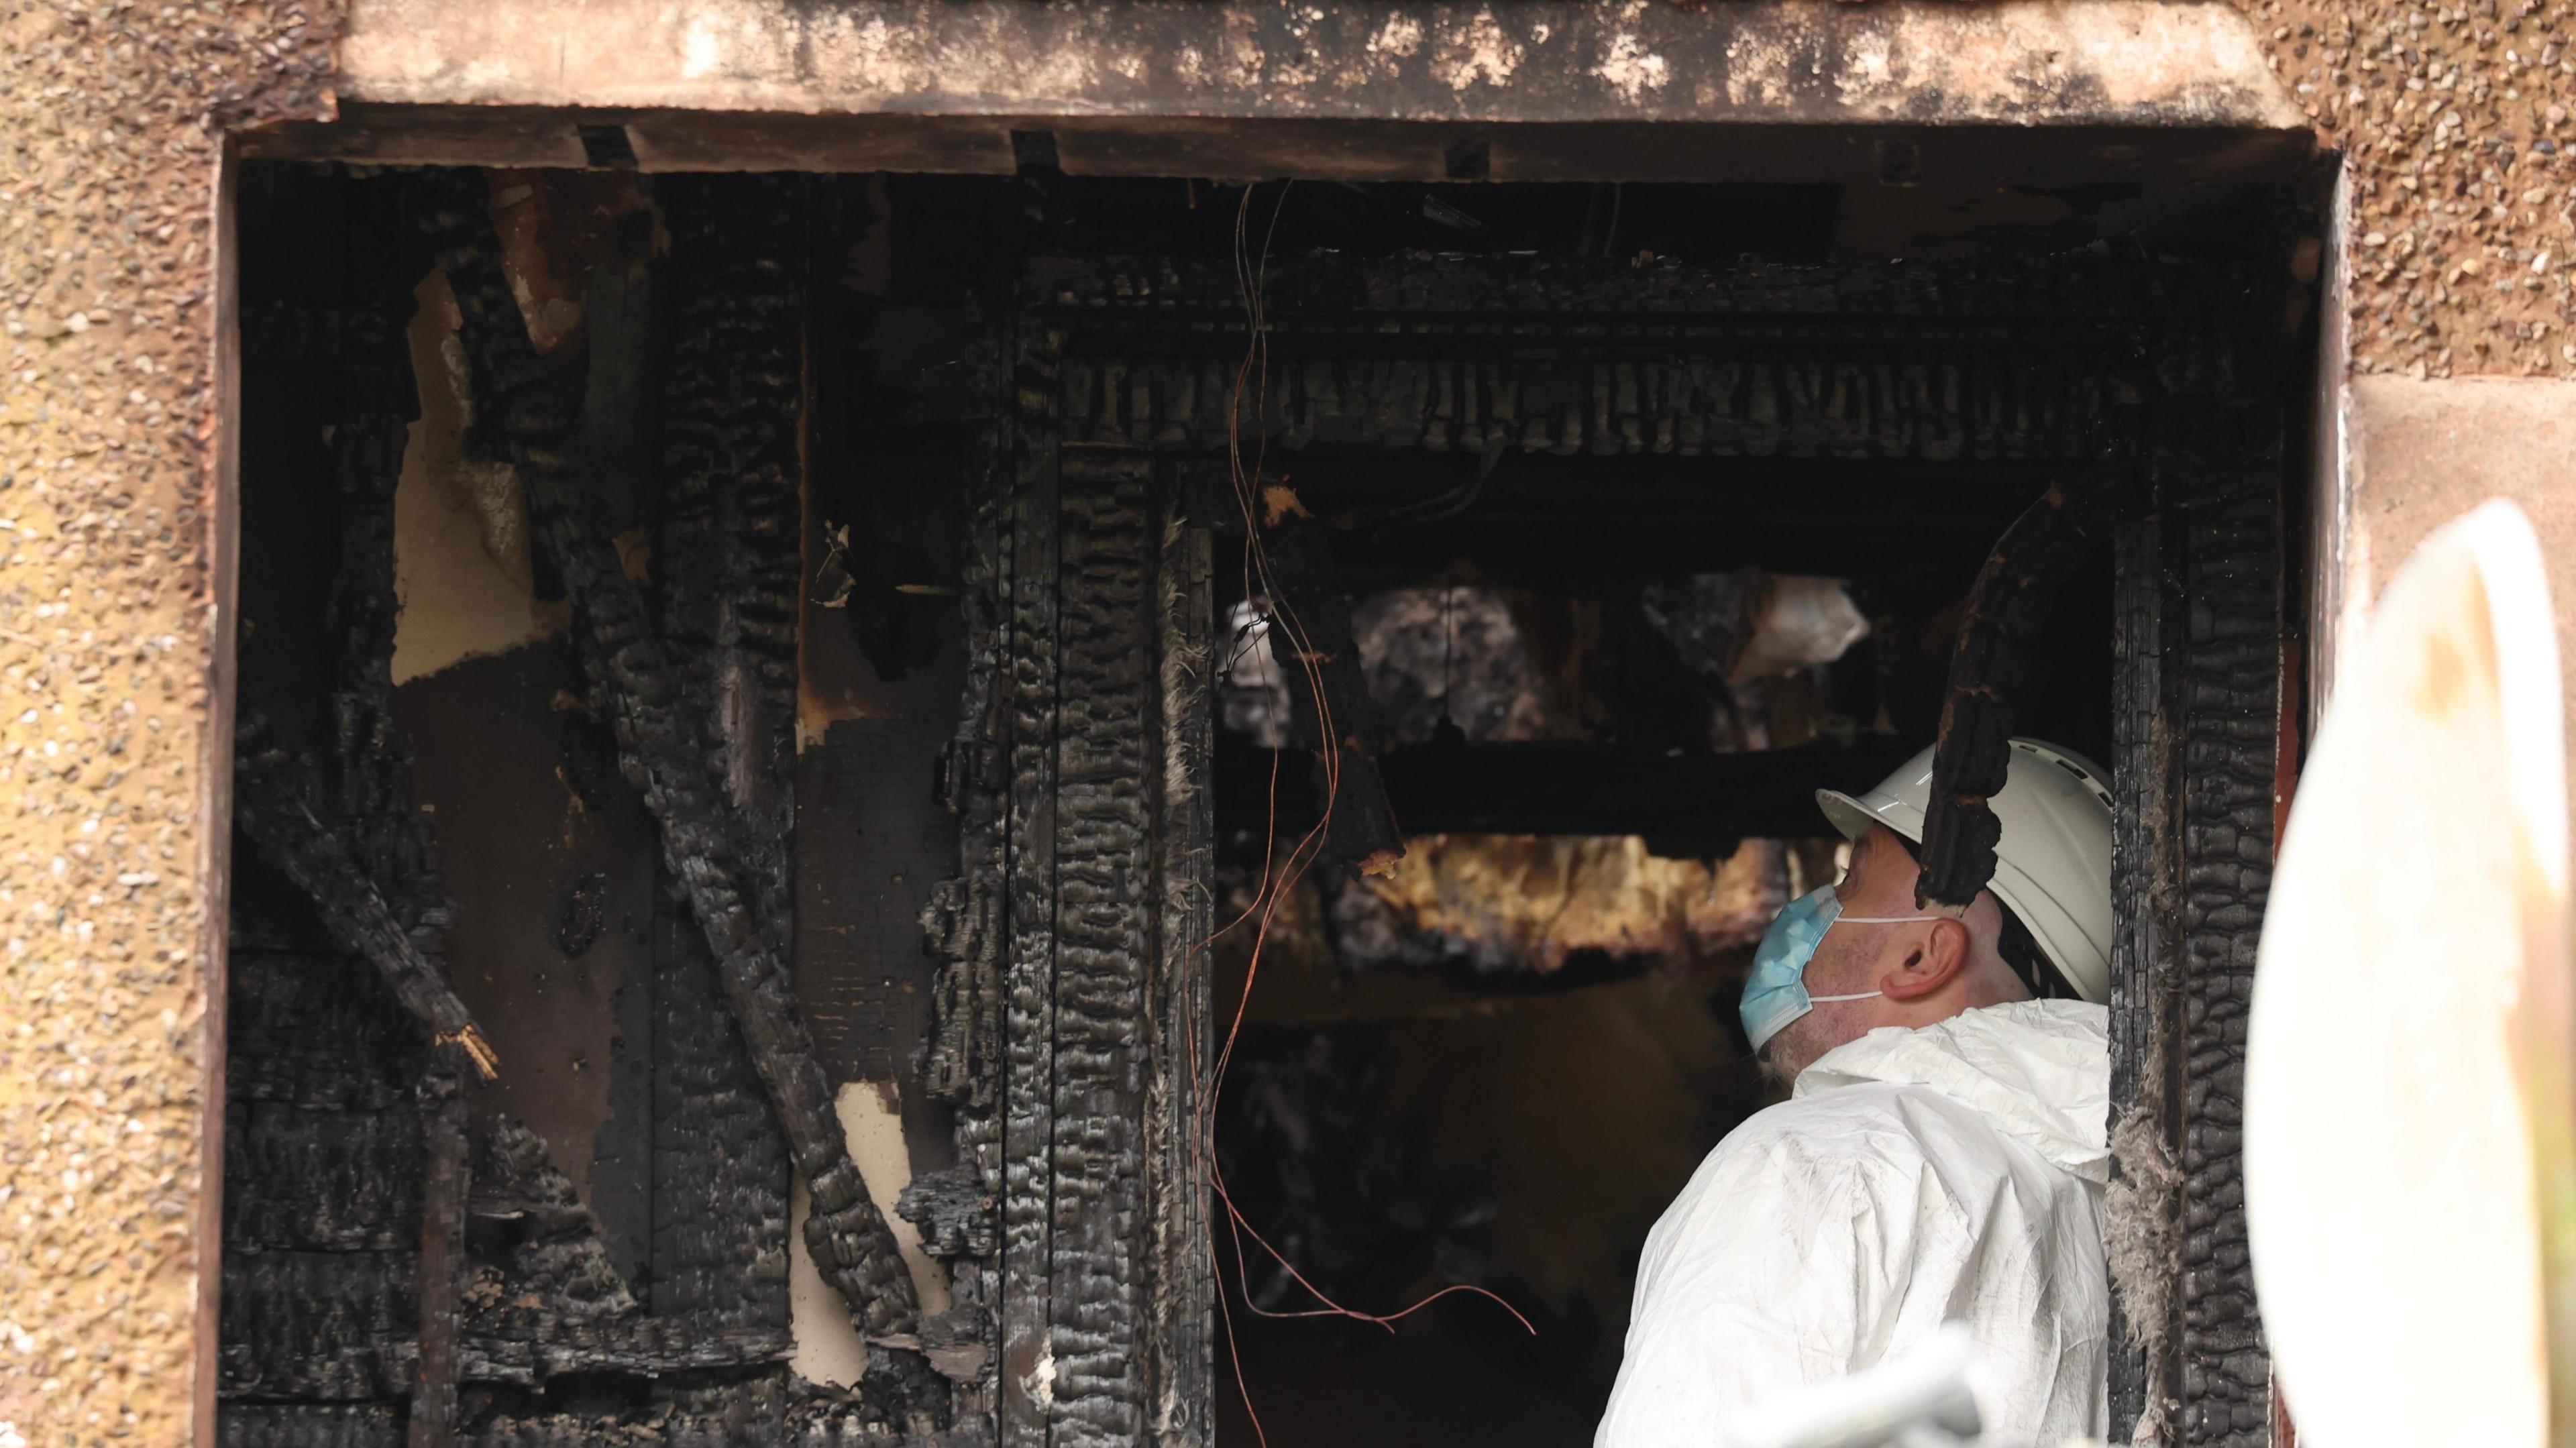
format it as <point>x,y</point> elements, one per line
<point>1941,1156</point>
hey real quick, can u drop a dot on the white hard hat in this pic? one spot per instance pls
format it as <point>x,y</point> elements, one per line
<point>2053,864</point>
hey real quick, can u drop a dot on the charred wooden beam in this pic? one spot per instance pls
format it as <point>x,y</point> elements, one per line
<point>272,808</point>
<point>1330,709</point>
<point>445,1184</point>
<point>1692,805</point>
<point>1988,667</point>
<point>663,750</point>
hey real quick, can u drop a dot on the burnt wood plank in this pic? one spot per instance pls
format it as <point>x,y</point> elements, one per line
<point>447,1181</point>
<point>719,1161</point>
<point>2142,1203</point>
<point>309,1425</point>
<point>1179,1372</point>
<point>712,851</point>
<point>2230,735</point>
<point>1029,986</point>
<point>966,924</point>
<point>302,1179</point>
<point>870,838</point>
<point>319,1325</point>
<point>1105,765</point>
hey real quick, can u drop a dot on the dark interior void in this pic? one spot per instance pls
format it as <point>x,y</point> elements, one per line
<point>1496,1063</point>
<point>1491,1067</point>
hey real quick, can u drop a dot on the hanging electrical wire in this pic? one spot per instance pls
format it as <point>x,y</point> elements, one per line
<point>1278,876</point>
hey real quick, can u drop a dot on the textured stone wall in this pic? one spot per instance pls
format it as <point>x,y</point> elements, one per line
<point>110,127</point>
<point>2455,121</point>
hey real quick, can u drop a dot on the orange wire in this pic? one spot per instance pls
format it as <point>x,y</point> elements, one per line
<point>1252,376</point>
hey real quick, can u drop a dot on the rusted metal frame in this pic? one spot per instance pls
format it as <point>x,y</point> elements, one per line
<point>2006,608</point>
<point>1180,1289</point>
<point>663,753</point>
<point>445,1185</point>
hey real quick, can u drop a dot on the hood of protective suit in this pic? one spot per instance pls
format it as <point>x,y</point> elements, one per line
<point>2039,1071</point>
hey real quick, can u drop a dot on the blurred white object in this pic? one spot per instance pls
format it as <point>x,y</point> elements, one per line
<point>2406,1084</point>
<point>1800,622</point>
<point>1922,1397</point>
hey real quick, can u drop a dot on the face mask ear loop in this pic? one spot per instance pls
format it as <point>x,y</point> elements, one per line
<point>1864,995</point>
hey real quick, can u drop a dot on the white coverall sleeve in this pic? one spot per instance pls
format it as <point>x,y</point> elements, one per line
<point>1767,1274</point>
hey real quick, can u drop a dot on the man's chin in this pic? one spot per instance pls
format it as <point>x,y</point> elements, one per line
<point>1790,1052</point>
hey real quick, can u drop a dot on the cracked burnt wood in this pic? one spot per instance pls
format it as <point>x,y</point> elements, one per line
<point>310,1425</point>
<point>2201,636</point>
<point>1023,1305</point>
<point>1925,367</point>
<point>446,1181</point>
<point>966,925</point>
<point>663,749</point>
<point>1085,833</point>
<point>325,1147</point>
<point>2006,609</point>
<point>273,810</point>
<point>2140,1204</point>
<point>1180,1344</point>
<point>724,567</point>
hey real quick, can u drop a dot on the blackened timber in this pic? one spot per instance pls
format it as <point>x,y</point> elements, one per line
<point>2141,1206</point>
<point>966,926</point>
<point>1180,1362</point>
<point>446,1182</point>
<point>1331,711</point>
<point>270,804</point>
<point>729,557</point>
<point>720,1165</point>
<point>1028,981</point>
<point>2230,734</point>
<point>1105,766</point>
<point>725,566</point>
<point>663,752</point>
<point>2006,609</point>
<point>1694,804</point>
<point>309,1425</point>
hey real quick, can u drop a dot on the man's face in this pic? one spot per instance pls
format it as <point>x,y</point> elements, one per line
<point>1878,882</point>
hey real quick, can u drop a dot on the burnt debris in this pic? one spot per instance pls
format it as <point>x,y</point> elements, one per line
<point>721,842</point>
<point>1990,664</point>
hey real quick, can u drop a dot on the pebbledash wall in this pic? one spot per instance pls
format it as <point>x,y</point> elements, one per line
<point>2450,356</point>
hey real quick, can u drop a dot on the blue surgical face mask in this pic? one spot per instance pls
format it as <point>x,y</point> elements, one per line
<point>1775,993</point>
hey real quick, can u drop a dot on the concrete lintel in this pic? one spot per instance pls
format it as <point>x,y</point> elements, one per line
<point>2190,64</point>
<point>2419,454</point>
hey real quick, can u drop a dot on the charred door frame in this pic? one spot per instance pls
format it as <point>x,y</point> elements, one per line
<point>1072,1010</point>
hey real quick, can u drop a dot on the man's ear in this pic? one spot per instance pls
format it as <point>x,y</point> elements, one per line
<point>1933,960</point>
